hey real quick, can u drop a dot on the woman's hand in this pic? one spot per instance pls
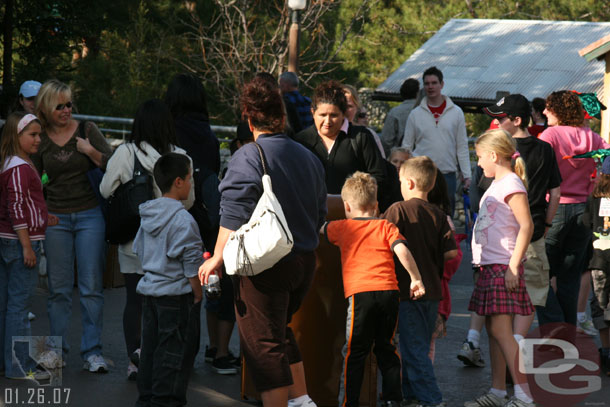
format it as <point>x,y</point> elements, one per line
<point>84,146</point>
<point>29,257</point>
<point>211,265</point>
<point>53,220</point>
<point>417,289</point>
<point>511,278</point>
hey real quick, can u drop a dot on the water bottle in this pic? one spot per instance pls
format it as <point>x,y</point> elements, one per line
<point>212,288</point>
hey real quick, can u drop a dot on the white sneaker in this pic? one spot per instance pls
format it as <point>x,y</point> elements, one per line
<point>307,403</point>
<point>587,327</point>
<point>96,364</point>
<point>487,400</point>
<point>31,316</point>
<point>470,355</point>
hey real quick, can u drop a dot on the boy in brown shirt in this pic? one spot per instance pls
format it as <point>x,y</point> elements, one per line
<point>431,241</point>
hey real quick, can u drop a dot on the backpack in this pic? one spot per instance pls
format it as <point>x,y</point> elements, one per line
<point>206,209</point>
<point>123,213</point>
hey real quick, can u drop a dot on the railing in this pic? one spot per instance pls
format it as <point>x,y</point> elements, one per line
<point>127,122</point>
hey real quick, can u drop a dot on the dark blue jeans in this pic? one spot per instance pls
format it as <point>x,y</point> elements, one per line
<point>170,342</point>
<point>567,242</point>
<point>451,180</point>
<point>416,321</point>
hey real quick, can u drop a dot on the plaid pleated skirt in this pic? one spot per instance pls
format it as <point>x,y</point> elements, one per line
<point>490,295</point>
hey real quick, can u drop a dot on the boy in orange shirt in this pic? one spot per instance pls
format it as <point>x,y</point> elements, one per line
<point>367,246</point>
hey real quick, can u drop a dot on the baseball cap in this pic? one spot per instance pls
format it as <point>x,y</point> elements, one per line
<point>606,166</point>
<point>29,88</point>
<point>512,105</point>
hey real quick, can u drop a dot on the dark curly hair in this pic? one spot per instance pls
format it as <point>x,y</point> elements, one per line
<point>330,92</point>
<point>261,102</point>
<point>566,105</point>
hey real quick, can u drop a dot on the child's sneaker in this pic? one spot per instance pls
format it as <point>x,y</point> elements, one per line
<point>515,402</point>
<point>96,364</point>
<point>587,327</point>
<point>210,354</point>
<point>305,402</point>
<point>487,400</point>
<point>132,372</point>
<point>223,365</point>
<point>234,360</point>
<point>470,355</point>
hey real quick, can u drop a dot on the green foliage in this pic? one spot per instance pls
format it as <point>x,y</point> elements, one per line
<point>393,29</point>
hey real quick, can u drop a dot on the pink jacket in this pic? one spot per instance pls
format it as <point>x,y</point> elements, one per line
<point>576,184</point>
<point>22,203</point>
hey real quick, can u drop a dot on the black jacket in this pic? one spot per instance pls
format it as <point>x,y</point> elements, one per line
<point>354,151</point>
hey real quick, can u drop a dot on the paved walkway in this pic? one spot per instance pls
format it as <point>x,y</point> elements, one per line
<point>209,389</point>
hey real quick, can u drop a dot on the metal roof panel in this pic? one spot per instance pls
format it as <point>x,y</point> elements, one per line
<point>479,57</point>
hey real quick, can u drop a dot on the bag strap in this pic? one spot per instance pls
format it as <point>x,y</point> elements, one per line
<point>138,169</point>
<point>81,129</point>
<point>262,155</point>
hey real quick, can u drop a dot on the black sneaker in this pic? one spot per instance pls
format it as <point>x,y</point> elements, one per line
<point>234,360</point>
<point>210,354</point>
<point>223,365</point>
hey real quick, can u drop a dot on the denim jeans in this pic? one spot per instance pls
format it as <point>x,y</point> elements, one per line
<point>78,235</point>
<point>451,180</point>
<point>566,248</point>
<point>416,322</point>
<point>170,342</point>
<point>17,283</point>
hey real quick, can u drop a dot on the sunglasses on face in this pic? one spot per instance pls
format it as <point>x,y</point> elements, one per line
<point>61,106</point>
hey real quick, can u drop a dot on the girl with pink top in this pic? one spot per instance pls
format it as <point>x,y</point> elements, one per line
<point>501,235</point>
<point>568,237</point>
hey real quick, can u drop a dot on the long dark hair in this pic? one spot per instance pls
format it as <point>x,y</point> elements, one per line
<point>153,124</point>
<point>186,94</point>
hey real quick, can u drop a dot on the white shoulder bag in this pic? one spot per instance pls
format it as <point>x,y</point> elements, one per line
<point>259,244</point>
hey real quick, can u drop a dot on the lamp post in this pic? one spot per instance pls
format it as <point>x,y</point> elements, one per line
<point>293,40</point>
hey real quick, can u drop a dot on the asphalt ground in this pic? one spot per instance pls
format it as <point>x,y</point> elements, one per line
<point>207,388</point>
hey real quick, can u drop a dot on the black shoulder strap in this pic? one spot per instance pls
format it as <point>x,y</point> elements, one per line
<point>138,169</point>
<point>81,129</point>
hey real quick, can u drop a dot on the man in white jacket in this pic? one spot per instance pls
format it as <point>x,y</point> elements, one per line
<point>436,128</point>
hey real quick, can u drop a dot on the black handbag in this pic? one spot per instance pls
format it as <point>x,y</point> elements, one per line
<point>123,214</point>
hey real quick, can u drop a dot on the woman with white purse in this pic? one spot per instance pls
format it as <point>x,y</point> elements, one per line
<point>295,204</point>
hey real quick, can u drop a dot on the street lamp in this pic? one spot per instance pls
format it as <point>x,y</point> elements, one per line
<point>293,39</point>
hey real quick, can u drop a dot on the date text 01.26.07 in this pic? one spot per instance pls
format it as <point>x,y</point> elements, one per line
<point>37,396</point>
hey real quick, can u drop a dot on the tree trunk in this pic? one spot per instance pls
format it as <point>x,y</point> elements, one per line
<point>7,57</point>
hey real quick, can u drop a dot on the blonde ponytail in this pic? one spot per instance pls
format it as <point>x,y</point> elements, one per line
<point>518,166</point>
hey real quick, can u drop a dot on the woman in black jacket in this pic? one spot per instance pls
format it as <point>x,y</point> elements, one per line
<point>342,147</point>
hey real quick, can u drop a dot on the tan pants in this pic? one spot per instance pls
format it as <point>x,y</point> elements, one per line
<point>536,272</point>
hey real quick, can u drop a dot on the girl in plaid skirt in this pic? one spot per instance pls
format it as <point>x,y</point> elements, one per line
<point>501,235</point>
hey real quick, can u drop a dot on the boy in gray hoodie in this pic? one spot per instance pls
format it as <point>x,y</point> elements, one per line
<point>170,249</point>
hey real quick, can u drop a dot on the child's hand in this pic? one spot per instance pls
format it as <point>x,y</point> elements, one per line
<point>29,257</point>
<point>53,220</point>
<point>417,289</point>
<point>211,265</point>
<point>511,278</point>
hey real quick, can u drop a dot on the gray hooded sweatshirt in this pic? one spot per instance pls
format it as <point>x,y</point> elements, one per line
<point>169,247</point>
